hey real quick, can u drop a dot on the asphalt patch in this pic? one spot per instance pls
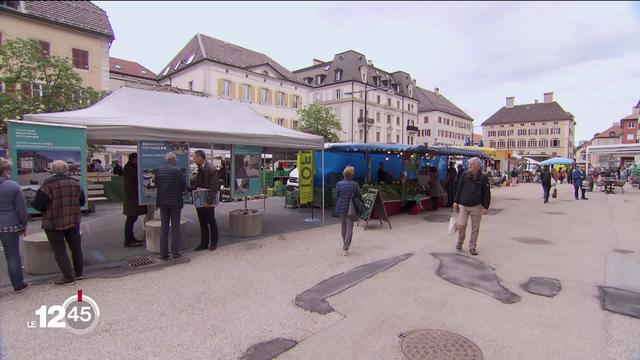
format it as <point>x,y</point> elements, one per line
<point>542,286</point>
<point>314,299</point>
<point>473,274</point>
<point>494,211</point>
<point>623,251</point>
<point>620,301</point>
<point>269,350</point>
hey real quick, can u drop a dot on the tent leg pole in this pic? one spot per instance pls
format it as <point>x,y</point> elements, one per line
<point>264,184</point>
<point>323,186</point>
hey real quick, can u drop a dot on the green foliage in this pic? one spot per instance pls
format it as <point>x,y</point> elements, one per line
<point>320,120</point>
<point>51,80</point>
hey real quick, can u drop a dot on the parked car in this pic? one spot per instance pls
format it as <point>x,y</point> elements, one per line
<point>292,182</point>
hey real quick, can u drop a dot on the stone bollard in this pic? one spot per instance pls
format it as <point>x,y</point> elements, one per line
<point>37,255</point>
<point>245,223</point>
<point>152,234</point>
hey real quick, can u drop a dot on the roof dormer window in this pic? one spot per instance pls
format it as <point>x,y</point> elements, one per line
<point>118,67</point>
<point>376,80</point>
<point>319,79</point>
<point>338,75</point>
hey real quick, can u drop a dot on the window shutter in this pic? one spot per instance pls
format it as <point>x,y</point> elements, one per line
<point>269,97</point>
<point>252,93</point>
<point>240,91</point>
<point>286,100</point>
<point>219,87</point>
<point>299,102</point>
<point>45,47</point>
<point>233,89</point>
<point>26,89</point>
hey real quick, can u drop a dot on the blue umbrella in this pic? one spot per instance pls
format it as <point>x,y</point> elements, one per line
<point>557,161</point>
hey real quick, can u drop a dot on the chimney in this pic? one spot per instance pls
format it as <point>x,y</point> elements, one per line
<point>548,97</point>
<point>317,62</point>
<point>510,101</point>
<point>370,62</point>
<point>535,101</point>
<point>437,91</point>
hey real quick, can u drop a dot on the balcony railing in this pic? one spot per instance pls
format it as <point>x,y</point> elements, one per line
<point>412,128</point>
<point>369,121</point>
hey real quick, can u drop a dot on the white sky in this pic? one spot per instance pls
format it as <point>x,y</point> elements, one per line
<point>587,53</point>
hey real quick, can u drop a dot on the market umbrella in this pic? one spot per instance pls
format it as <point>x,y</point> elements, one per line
<point>557,161</point>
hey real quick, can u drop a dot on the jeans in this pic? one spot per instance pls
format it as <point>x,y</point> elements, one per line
<point>208,226</point>
<point>546,190</point>
<point>346,228</point>
<point>57,240</point>
<point>451,192</point>
<point>10,243</point>
<point>475,212</point>
<point>169,215</point>
<point>575,188</point>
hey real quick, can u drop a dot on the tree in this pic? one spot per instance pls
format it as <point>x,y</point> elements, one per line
<point>320,120</point>
<point>47,83</point>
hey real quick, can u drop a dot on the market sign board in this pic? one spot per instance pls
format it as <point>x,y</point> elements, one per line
<point>305,176</point>
<point>33,147</point>
<point>245,171</point>
<point>150,158</point>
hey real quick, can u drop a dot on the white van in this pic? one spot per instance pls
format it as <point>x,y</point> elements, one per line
<point>292,181</point>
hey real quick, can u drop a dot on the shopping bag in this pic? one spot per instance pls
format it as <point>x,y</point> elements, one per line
<point>554,194</point>
<point>452,223</point>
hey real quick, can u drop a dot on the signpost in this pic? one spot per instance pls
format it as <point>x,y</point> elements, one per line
<point>33,147</point>
<point>373,200</point>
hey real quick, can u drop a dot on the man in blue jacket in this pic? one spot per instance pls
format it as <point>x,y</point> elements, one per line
<point>170,184</point>
<point>579,176</point>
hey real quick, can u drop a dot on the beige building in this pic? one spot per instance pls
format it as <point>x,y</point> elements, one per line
<point>441,122</point>
<point>538,130</point>
<point>78,30</point>
<point>225,71</point>
<point>392,109</point>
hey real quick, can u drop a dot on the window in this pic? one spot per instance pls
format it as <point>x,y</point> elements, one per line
<point>543,143</point>
<point>397,120</point>
<point>338,93</point>
<point>388,101</point>
<point>398,105</point>
<point>492,144</point>
<point>522,143</point>
<point>280,98</point>
<point>37,90</point>
<point>502,133</point>
<point>533,131</point>
<point>264,95</point>
<point>246,92</point>
<point>360,134</point>
<point>45,47</point>
<point>388,138</point>
<point>226,88</point>
<point>428,132</point>
<point>361,114</point>
<point>388,119</point>
<point>80,59</point>
<point>522,132</point>
<point>317,97</point>
<point>11,4</point>
<point>397,139</point>
<point>294,124</point>
<point>426,119</point>
<point>319,79</point>
<point>632,125</point>
<point>338,75</point>
<point>555,131</point>
<point>532,143</point>
<point>439,119</point>
<point>191,85</point>
<point>501,144</point>
<point>296,101</point>
<point>281,121</point>
<point>492,133</point>
<point>378,99</point>
<point>377,117</point>
<point>630,137</point>
<point>544,131</point>
<point>377,136</point>
<point>510,132</point>
<point>512,143</point>
<point>555,143</point>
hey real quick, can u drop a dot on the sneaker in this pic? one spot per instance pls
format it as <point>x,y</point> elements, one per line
<point>132,244</point>
<point>584,198</point>
<point>176,257</point>
<point>200,248</point>
<point>161,258</point>
<point>65,281</point>
<point>20,288</point>
<point>79,277</point>
<point>473,251</point>
<point>213,247</point>
<point>459,246</point>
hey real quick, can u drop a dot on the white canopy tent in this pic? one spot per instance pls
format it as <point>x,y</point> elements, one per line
<point>619,149</point>
<point>129,115</point>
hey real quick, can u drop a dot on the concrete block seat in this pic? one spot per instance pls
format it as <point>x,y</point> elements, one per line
<point>152,234</point>
<point>37,254</point>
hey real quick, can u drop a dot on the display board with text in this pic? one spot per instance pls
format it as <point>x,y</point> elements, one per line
<point>245,171</point>
<point>150,158</point>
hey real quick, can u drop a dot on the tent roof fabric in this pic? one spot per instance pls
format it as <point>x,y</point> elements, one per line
<point>370,148</point>
<point>129,115</point>
<point>557,161</point>
<point>631,149</point>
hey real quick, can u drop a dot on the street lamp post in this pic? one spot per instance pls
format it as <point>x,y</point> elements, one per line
<point>363,74</point>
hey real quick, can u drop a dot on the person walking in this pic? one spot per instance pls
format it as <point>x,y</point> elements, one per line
<point>435,188</point>
<point>59,199</point>
<point>472,199</point>
<point>451,182</point>
<point>117,168</point>
<point>13,223</point>
<point>579,175</point>
<point>130,207</point>
<point>545,178</point>
<point>514,177</point>
<point>570,175</point>
<point>170,185</point>
<point>207,178</point>
<point>346,190</point>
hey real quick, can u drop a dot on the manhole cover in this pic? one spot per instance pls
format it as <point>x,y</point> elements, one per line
<point>553,212</point>
<point>138,261</point>
<point>438,218</point>
<point>532,240</point>
<point>494,211</point>
<point>439,345</point>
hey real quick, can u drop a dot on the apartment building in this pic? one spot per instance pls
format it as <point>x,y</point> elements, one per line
<point>226,71</point>
<point>78,30</point>
<point>629,126</point>
<point>440,122</point>
<point>130,74</point>
<point>345,82</point>
<point>538,130</point>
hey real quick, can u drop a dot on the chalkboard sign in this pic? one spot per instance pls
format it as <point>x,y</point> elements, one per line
<point>373,200</point>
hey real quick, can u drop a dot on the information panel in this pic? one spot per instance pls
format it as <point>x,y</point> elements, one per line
<point>245,171</point>
<point>151,157</point>
<point>305,176</point>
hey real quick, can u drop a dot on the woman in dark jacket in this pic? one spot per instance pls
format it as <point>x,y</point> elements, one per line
<point>13,223</point>
<point>345,191</point>
<point>545,177</point>
<point>130,206</point>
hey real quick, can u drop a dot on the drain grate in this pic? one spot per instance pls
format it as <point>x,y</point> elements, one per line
<point>439,345</point>
<point>438,218</point>
<point>532,240</point>
<point>138,261</point>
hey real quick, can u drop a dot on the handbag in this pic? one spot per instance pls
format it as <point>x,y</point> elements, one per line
<point>452,223</point>
<point>358,205</point>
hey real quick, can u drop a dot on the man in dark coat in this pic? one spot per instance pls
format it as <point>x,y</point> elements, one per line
<point>451,183</point>
<point>117,168</point>
<point>170,184</point>
<point>545,177</point>
<point>130,206</point>
<point>207,178</point>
